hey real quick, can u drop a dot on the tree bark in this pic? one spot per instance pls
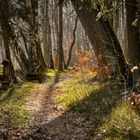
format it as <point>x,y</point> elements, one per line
<point>133,42</point>
<point>48,46</point>
<point>9,33</point>
<point>3,19</point>
<point>44,33</point>
<point>101,36</point>
<point>127,32</point>
<point>72,44</point>
<point>39,52</point>
<point>34,61</point>
<point>60,45</point>
<point>138,10</point>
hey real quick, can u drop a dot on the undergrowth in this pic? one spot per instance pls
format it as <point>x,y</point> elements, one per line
<point>111,117</point>
<point>1,70</point>
<point>12,111</point>
<point>73,92</point>
<point>122,124</point>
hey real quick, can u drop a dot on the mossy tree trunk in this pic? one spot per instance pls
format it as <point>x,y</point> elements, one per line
<point>34,61</point>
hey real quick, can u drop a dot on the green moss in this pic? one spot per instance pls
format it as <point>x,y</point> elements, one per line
<point>12,111</point>
<point>50,73</point>
<point>113,118</point>
<point>1,70</point>
<point>123,122</point>
<point>13,115</point>
<point>72,91</point>
<point>91,100</point>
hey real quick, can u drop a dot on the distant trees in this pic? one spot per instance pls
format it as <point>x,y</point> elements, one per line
<point>72,44</point>
<point>45,31</point>
<point>41,32</point>
<point>101,35</point>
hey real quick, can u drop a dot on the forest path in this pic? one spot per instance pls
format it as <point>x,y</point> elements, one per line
<point>49,120</point>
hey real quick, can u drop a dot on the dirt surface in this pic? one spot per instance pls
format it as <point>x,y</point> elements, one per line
<point>49,120</point>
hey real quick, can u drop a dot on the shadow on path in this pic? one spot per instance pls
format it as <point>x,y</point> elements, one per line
<point>53,122</point>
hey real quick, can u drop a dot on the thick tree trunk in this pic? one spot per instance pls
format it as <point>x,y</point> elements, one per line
<point>45,31</point>
<point>132,34</point>
<point>11,75</point>
<point>60,45</point>
<point>127,32</point>
<point>3,19</point>
<point>17,50</point>
<point>138,10</point>
<point>101,36</point>
<point>49,44</point>
<point>19,53</point>
<point>39,51</point>
<point>55,18</point>
<point>35,64</point>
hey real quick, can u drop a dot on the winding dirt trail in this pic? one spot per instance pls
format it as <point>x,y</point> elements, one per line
<point>49,120</point>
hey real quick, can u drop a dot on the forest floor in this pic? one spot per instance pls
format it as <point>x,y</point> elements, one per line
<point>48,120</point>
<point>68,107</point>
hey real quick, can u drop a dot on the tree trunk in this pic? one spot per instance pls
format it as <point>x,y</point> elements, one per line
<point>19,53</point>
<point>60,45</point>
<point>72,44</point>
<point>101,36</point>
<point>55,18</point>
<point>128,33</point>
<point>45,32</point>
<point>3,20</point>
<point>39,52</point>
<point>49,44</point>
<point>34,62</point>
<point>138,10</point>
<point>132,34</point>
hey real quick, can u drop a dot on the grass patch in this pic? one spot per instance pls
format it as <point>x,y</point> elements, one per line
<point>1,70</point>
<point>112,118</point>
<point>12,112</point>
<point>91,100</point>
<point>50,74</point>
<point>123,124</point>
<point>72,91</point>
<point>95,103</point>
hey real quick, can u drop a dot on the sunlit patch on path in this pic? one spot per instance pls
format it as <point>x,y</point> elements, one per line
<point>48,120</point>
